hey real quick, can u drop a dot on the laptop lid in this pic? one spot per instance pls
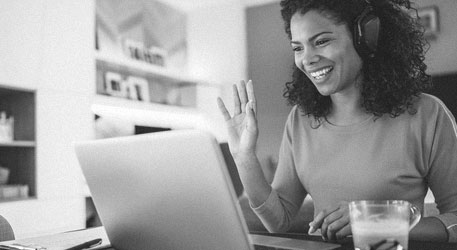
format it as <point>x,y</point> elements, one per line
<point>166,190</point>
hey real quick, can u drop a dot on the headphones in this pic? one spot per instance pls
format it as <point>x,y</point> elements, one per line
<point>366,32</point>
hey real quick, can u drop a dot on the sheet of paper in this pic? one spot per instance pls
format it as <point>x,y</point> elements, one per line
<point>66,240</point>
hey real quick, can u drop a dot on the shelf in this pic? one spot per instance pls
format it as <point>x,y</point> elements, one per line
<point>148,114</point>
<point>126,65</point>
<point>18,156</point>
<point>123,103</point>
<point>17,199</point>
<point>19,144</point>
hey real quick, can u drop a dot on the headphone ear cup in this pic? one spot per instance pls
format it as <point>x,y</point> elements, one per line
<point>366,32</point>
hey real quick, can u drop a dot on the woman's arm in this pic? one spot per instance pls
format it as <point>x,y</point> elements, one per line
<point>429,229</point>
<point>243,133</point>
<point>253,179</point>
<point>441,176</point>
<point>275,209</point>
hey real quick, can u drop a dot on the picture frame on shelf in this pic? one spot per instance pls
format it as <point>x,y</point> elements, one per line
<point>4,175</point>
<point>428,17</point>
<point>114,85</point>
<point>133,49</point>
<point>131,90</point>
<point>174,97</point>
<point>138,51</point>
<point>6,127</point>
<point>138,88</point>
<point>156,56</point>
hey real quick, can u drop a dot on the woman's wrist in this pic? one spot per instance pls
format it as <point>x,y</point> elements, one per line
<point>245,158</point>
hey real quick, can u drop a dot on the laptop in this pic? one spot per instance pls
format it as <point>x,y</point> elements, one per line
<point>169,190</point>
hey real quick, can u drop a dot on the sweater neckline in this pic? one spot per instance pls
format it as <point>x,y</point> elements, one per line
<point>350,128</point>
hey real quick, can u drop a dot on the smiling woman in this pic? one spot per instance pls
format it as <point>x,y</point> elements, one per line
<point>387,64</point>
<point>361,127</point>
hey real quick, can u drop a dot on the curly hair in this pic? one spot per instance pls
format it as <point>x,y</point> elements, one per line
<point>391,79</point>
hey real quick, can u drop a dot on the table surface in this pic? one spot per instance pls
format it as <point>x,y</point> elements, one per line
<point>68,239</point>
<point>348,244</point>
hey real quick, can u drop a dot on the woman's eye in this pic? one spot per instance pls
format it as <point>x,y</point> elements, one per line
<point>322,42</point>
<point>296,49</point>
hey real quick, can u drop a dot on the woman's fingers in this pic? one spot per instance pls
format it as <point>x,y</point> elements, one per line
<point>223,109</point>
<point>236,100</point>
<point>251,122</point>
<point>329,227</point>
<point>344,232</point>
<point>243,97</point>
<point>251,96</point>
<point>333,225</point>
<point>319,219</point>
<point>243,94</point>
<point>333,222</point>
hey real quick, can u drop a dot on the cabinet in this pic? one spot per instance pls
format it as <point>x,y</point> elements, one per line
<point>18,156</point>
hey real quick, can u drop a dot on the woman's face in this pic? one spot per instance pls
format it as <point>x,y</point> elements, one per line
<point>325,53</point>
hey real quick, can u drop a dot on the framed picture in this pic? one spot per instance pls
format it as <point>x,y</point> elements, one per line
<point>138,88</point>
<point>114,85</point>
<point>134,49</point>
<point>137,51</point>
<point>429,18</point>
<point>156,56</point>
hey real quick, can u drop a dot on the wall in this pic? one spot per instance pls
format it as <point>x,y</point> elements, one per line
<point>217,52</point>
<point>270,61</point>
<point>442,56</point>
<point>25,58</point>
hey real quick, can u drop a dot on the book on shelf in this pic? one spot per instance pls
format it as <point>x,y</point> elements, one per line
<point>14,191</point>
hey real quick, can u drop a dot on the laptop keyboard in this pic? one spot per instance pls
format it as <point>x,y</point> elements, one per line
<point>259,247</point>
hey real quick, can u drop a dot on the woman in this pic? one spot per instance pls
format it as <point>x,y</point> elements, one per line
<point>360,128</point>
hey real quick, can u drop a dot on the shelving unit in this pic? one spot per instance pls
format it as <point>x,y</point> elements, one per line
<point>147,114</point>
<point>165,86</point>
<point>18,156</point>
<point>174,96</point>
<point>24,144</point>
<point>116,64</point>
<point>126,65</point>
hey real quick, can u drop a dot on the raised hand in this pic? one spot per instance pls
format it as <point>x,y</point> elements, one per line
<point>242,126</point>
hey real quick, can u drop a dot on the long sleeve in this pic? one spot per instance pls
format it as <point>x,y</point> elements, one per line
<point>281,207</point>
<point>443,169</point>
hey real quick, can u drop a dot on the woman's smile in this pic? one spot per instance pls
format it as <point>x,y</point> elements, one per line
<point>322,73</point>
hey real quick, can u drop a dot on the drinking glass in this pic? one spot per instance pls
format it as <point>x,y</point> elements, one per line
<point>374,221</point>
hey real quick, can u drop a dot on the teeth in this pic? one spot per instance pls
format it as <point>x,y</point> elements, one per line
<point>321,73</point>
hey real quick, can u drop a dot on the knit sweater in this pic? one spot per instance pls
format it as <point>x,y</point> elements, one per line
<point>377,159</point>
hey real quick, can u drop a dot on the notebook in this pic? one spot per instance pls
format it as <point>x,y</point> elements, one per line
<point>169,190</point>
